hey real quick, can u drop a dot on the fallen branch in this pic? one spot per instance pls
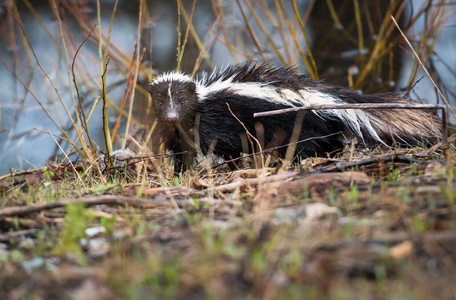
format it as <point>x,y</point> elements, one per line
<point>240,183</point>
<point>17,235</point>
<point>271,150</point>
<point>342,166</point>
<point>89,201</point>
<point>432,149</point>
<point>107,200</point>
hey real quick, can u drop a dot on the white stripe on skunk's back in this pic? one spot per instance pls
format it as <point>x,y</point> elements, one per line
<point>354,119</point>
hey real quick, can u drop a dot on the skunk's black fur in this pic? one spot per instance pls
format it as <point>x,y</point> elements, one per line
<point>193,114</point>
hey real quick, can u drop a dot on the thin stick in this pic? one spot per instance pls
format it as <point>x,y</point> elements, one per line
<point>424,68</point>
<point>252,34</point>
<point>196,38</point>
<point>90,201</point>
<point>230,46</point>
<point>127,92</point>
<point>297,46</point>
<point>333,14</point>
<point>84,122</point>
<point>42,106</point>
<point>372,106</point>
<point>342,166</point>
<point>252,181</point>
<point>269,150</point>
<point>48,77</point>
<point>112,200</point>
<point>71,163</point>
<point>350,106</point>
<point>78,130</point>
<point>52,134</point>
<point>135,80</point>
<point>303,29</point>
<point>265,31</point>
<point>179,35</point>
<point>360,30</point>
<point>108,40</point>
<point>250,136</point>
<point>189,25</point>
<point>107,134</point>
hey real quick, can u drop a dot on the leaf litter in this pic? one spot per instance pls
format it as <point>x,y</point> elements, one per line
<point>361,224</point>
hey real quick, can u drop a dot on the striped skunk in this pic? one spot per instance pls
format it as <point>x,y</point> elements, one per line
<point>205,114</point>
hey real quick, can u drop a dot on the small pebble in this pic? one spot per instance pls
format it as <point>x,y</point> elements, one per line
<point>93,231</point>
<point>33,264</point>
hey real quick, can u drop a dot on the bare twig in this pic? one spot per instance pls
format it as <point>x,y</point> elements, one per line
<point>84,121</point>
<point>269,150</point>
<point>253,181</point>
<point>250,137</point>
<point>252,34</point>
<point>115,200</point>
<point>132,96</point>
<point>424,68</point>
<point>342,166</point>
<point>90,201</point>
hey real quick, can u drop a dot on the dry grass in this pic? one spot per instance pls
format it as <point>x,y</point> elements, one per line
<point>383,225</point>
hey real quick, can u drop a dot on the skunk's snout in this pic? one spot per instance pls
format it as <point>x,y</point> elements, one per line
<point>171,116</point>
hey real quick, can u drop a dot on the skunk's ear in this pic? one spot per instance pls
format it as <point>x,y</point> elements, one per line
<point>153,86</point>
<point>192,87</point>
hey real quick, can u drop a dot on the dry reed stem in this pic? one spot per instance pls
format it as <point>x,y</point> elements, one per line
<point>196,38</point>
<point>79,129</point>
<point>180,50</point>
<point>90,201</point>
<point>71,163</point>
<point>84,123</point>
<point>50,80</point>
<point>232,47</point>
<point>296,42</point>
<point>252,34</point>
<point>250,137</point>
<point>270,150</point>
<point>220,20</point>
<point>41,104</point>
<point>132,96</point>
<point>359,26</point>
<point>265,32</point>
<point>333,13</point>
<point>424,68</point>
<point>303,29</point>
<point>28,55</point>
<point>128,87</point>
<point>279,14</point>
<point>203,52</point>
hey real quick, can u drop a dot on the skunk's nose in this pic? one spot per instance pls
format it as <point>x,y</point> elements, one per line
<point>171,116</point>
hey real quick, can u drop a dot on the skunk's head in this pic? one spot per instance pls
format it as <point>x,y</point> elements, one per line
<point>173,97</point>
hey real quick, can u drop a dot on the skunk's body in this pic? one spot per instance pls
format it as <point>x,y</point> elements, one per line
<point>194,114</point>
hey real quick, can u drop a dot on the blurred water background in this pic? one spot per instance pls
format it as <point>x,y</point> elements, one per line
<point>339,56</point>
